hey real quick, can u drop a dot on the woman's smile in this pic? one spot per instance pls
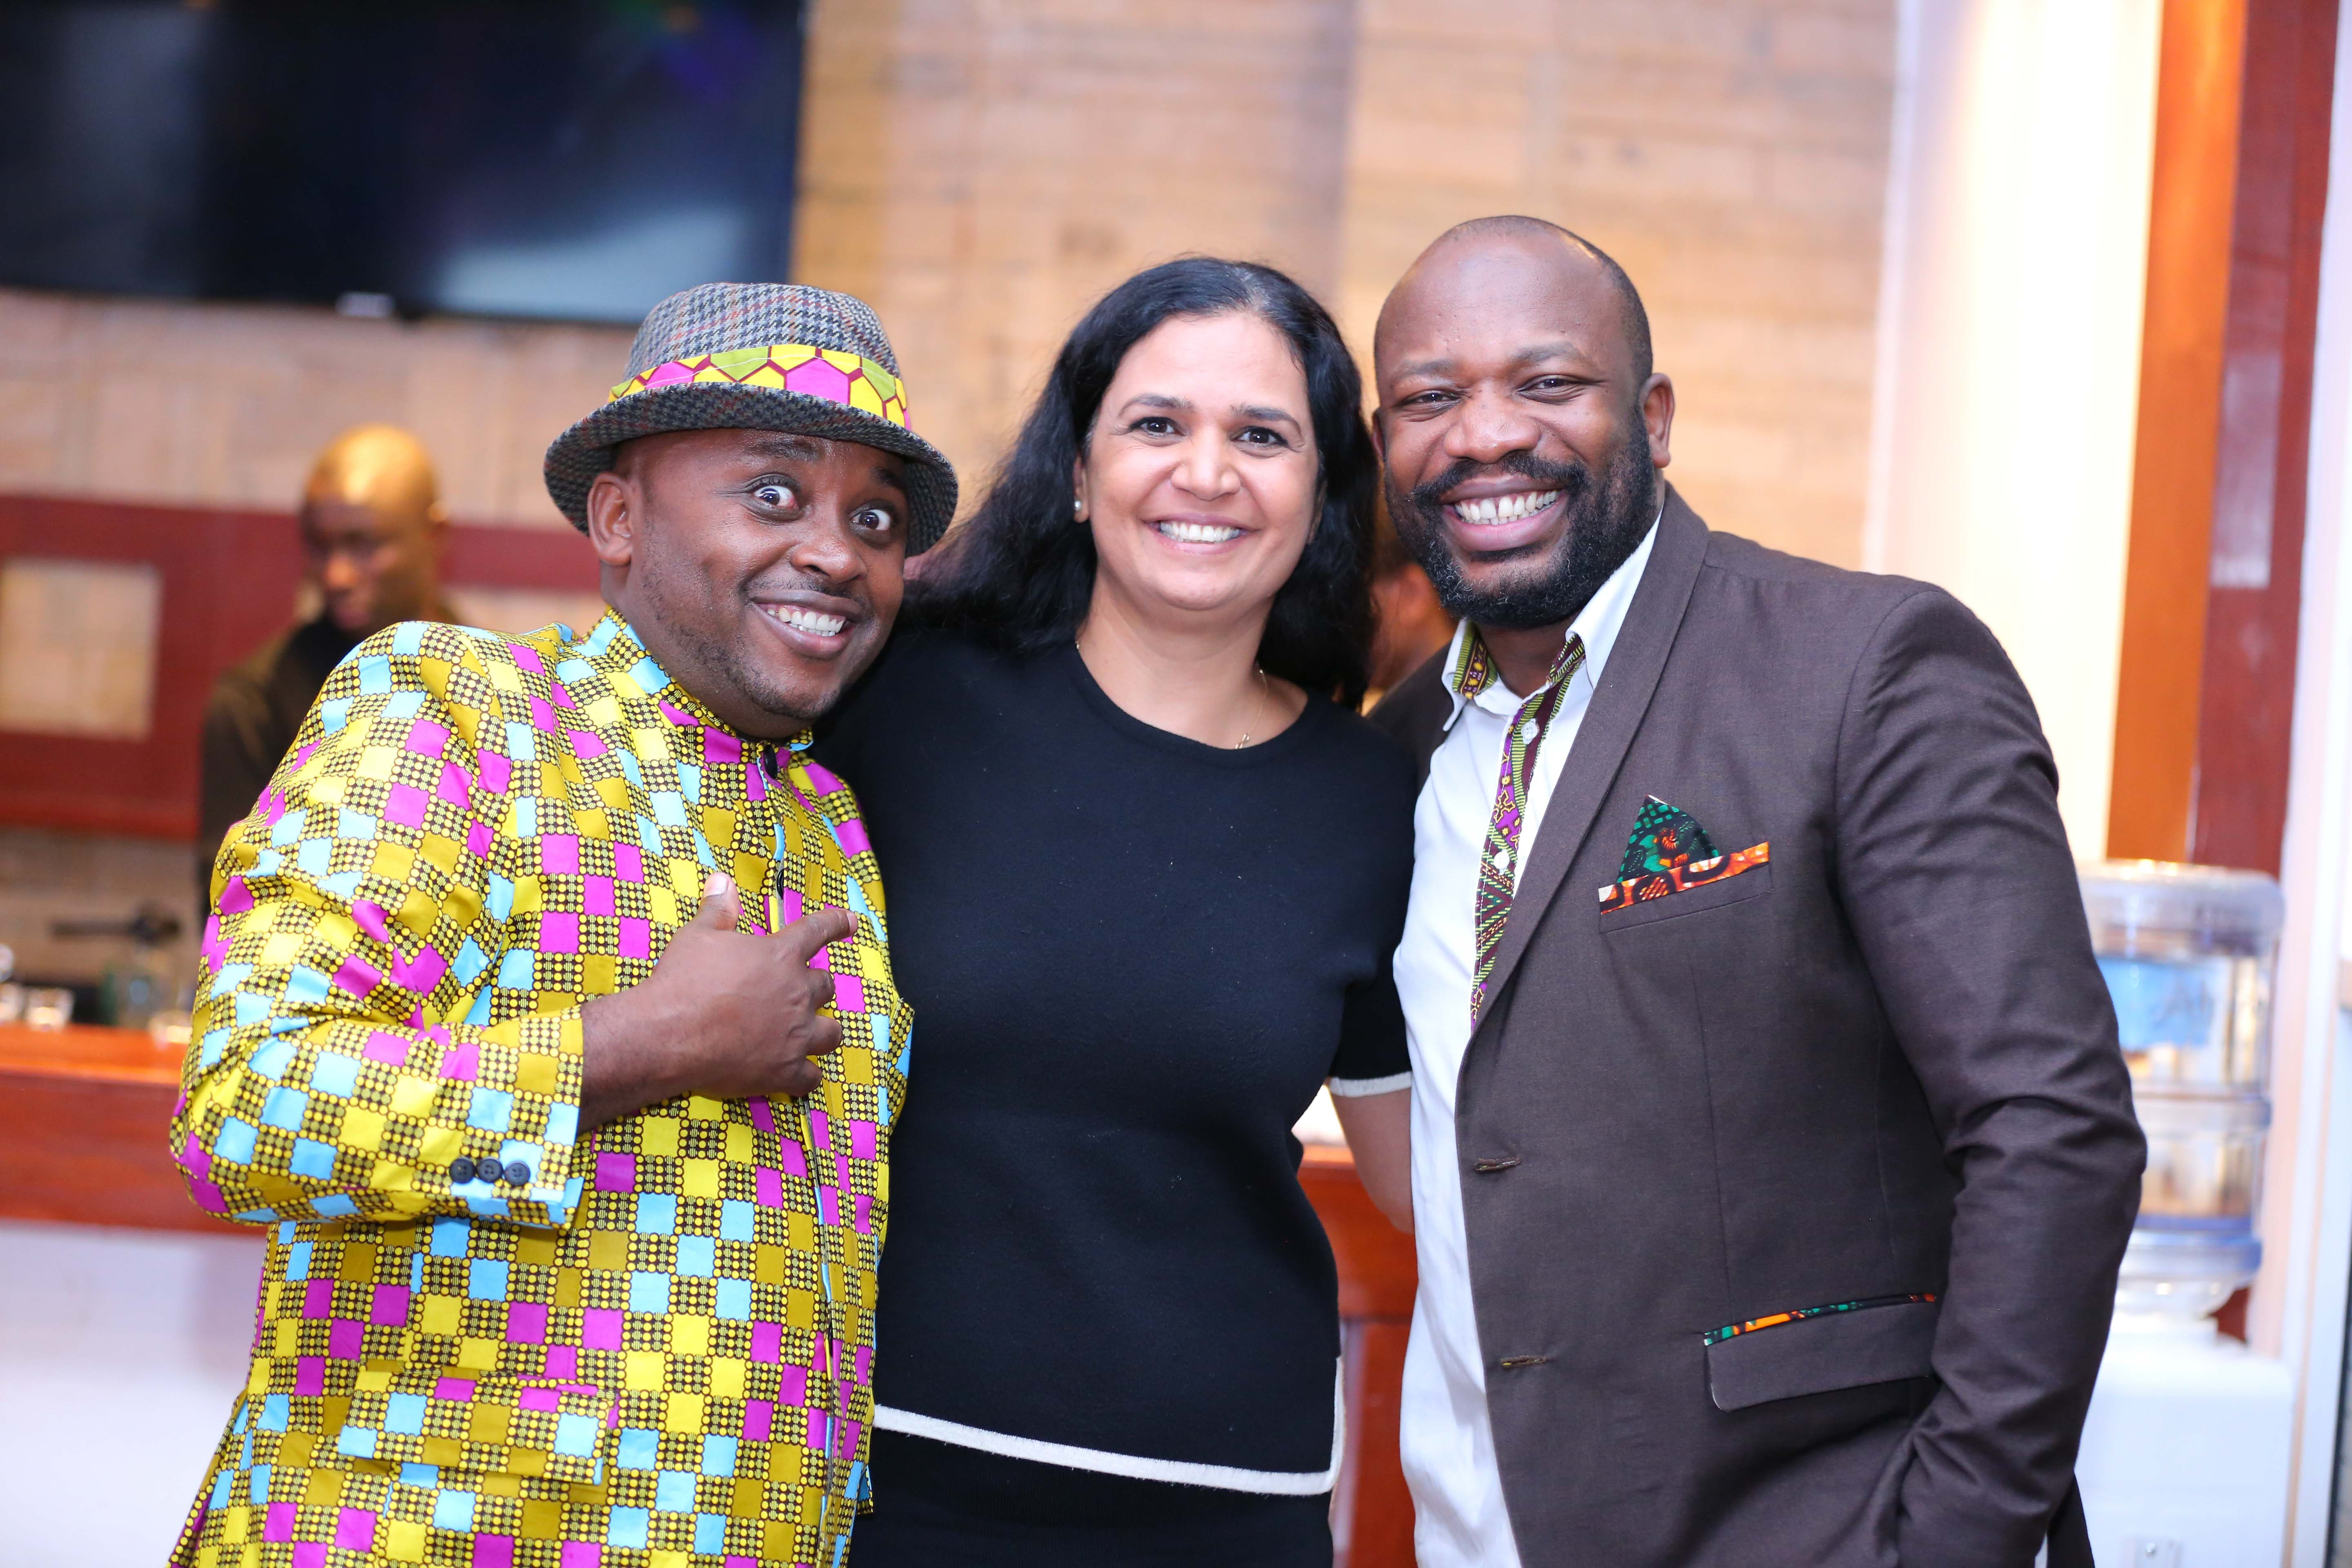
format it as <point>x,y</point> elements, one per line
<point>1193,534</point>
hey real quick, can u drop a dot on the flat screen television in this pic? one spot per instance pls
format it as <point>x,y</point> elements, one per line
<point>526,158</point>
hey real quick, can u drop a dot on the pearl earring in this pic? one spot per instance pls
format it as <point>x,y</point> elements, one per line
<point>1079,508</point>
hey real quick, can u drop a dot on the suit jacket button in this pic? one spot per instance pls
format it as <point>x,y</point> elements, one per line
<point>461,1171</point>
<point>518,1174</point>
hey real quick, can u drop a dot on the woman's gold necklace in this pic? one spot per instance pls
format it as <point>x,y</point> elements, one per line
<point>1265,689</point>
<point>1265,693</point>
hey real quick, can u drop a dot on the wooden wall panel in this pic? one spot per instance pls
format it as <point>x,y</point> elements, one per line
<point>2199,79</point>
<point>2246,707</point>
<point>2205,696</point>
<point>230,580</point>
<point>1372,1523</point>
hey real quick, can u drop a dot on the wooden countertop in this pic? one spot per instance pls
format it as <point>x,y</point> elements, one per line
<point>83,1118</point>
<point>83,1112</point>
<point>80,1051</point>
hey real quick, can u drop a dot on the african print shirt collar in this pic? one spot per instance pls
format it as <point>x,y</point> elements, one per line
<point>614,644</point>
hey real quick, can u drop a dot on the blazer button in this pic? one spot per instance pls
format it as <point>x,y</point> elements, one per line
<point>518,1174</point>
<point>461,1171</point>
<point>490,1171</point>
<point>1498,1162</point>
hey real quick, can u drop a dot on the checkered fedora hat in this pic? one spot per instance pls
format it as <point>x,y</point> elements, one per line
<point>759,356</point>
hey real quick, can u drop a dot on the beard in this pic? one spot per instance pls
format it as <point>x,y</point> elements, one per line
<point>1606,516</point>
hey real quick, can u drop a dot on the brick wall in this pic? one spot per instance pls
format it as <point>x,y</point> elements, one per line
<point>214,405</point>
<point>981,172</point>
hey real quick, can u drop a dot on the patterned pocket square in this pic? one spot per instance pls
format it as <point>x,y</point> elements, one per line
<point>1668,852</point>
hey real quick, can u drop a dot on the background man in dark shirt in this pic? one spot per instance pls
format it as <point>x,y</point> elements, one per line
<point>375,530</point>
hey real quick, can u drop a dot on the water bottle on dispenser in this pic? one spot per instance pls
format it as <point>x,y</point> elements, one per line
<point>2189,955</point>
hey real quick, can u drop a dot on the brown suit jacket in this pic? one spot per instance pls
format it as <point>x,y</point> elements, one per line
<point>1877,1064</point>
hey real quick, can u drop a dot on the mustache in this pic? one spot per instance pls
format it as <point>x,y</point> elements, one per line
<point>1429,497</point>
<point>853,591</point>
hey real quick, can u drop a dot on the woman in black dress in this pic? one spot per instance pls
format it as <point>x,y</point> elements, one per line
<point>1145,877</point>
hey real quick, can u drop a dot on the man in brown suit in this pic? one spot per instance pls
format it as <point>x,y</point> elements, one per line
<point>1773,1153</point>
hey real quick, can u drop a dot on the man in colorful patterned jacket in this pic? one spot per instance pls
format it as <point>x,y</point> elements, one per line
<point>547,1019</point>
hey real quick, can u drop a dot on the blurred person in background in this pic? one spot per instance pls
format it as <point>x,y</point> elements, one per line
<point>1147,867</point>
<point>374,534</point>
<point>1413,622</point>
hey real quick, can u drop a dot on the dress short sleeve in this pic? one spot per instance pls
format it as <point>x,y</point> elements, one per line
<point>1372,1058</point>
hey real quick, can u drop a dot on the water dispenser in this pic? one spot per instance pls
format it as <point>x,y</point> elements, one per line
<point>2189,955</point>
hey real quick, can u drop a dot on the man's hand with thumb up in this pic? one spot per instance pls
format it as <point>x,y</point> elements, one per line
<point>723,1014</point>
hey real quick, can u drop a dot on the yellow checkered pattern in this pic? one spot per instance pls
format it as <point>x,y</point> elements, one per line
<point>483,1338</point>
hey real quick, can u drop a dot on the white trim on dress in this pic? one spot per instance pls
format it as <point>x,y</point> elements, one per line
<point>1182,1472</point>
<point>1359,1087</point>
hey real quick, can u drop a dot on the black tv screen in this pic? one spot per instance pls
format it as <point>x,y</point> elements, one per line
<point>567,161</point>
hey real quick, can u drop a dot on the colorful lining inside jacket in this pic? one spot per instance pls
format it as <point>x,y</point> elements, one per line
<point>482,1338</point>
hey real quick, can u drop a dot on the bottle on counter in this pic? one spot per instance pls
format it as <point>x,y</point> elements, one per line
<point>2190,954</point>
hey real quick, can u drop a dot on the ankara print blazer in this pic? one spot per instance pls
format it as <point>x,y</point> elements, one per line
<point>483,1338</point>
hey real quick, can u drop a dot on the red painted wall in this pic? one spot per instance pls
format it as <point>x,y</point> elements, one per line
<point>228,584</point>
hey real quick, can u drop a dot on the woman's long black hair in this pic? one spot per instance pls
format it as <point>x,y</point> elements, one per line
<point>1020,573</point>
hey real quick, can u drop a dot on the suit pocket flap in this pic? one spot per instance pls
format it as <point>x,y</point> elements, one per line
<point>1736,878</point>
<point>1841,1348</point>
<point>496,1425</point>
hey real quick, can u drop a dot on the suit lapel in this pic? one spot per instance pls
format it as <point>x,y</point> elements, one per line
<point>1619,702</point>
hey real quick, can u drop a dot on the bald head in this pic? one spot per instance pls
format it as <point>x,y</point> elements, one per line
<point>1513,239</point>
<point>376,465</point>
<point>374,526</point>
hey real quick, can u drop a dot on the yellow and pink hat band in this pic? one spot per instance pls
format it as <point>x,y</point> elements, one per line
<point>851,379</point>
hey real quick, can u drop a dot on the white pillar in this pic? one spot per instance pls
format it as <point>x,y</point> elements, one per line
<point>2008,386</point>
<point>2299,1301</point>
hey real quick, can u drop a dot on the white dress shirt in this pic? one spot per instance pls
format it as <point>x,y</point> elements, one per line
<point>1449,1449</point>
